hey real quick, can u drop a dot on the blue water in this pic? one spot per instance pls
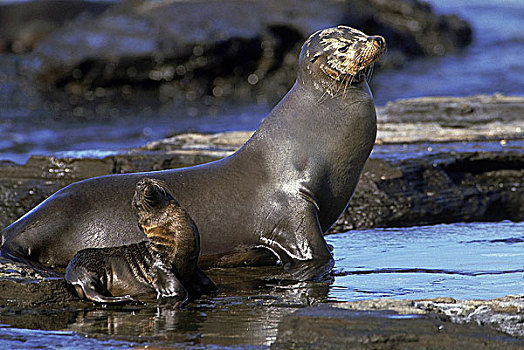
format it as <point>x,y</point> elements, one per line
<point>463,261</point>
<point>468,261</point>
<point>493,63</point>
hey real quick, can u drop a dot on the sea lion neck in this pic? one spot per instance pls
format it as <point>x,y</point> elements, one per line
<point>307,116</point>
<point>315,147</point>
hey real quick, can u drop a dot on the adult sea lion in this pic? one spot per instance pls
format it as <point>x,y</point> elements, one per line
<point>163,265</point>
<point>281,191</point>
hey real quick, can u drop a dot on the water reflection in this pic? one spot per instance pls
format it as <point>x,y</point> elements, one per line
<point>248,309</point>
<point>464,261</point>
<point>23,338</point>
<point>468,261</point>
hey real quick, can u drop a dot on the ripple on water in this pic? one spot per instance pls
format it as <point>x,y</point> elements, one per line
<point>464,260</point>
<point>21,338</point>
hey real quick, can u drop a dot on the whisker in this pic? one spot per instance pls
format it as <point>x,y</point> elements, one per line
<point>369,73</point>
<point>327,92</point>
<point>323,97</point>
<point>346,86</point>
<point>350,69</point>
<point>339,87</point>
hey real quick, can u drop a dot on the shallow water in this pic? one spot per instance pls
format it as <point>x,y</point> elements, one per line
<point>473,261</point>
<point>464,261</point>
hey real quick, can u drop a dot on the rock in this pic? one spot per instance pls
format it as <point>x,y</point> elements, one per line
<point>440,188</point>
<point>21,286</point>
<point>24,24</point>
<point>447,182</point>
<point>235,50</point>
<point>444,119</point>
<point>503,314</point>
<point>401,185</point>
<point>333,327</point>
<point>412,27</point>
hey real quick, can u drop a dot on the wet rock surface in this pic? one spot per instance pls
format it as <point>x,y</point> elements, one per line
<point>401,185</point>
<point>503,314</point>
<point>207,51</point>
<point>333,327</point>
<point>297,315</point>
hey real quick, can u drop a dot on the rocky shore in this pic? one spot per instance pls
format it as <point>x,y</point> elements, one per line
<point>436,160</point>
<point>441,323</point>
<point>406,324</point>
<point>91,56</point>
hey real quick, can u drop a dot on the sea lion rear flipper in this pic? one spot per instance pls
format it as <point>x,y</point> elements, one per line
<point>89,292</point>
<point>87,285</point>
<point>299,243</point>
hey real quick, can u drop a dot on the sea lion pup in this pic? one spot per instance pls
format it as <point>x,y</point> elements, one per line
<point>163,265</point>
<point>276,196</point>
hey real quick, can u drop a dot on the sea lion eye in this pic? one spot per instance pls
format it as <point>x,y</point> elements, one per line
<point>343,48</point>
<point>148,191</point>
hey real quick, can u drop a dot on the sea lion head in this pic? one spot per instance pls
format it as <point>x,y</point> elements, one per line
<point>151,195</point>
<point>339,54</point>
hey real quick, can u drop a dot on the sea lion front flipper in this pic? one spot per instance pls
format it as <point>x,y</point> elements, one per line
<point>167,285</point>
<point>200,284</point>
<point>299,243</point>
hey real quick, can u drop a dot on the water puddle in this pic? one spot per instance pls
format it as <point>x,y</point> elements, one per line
<point>468,261</point>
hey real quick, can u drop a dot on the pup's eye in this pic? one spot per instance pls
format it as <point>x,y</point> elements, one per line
<point>343,48</point>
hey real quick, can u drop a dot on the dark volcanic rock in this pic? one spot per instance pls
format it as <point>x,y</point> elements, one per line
<point>401,185</point>
<point>411,26</point>
<point>443,188</point>
<point>21,286</point>
<point>187,50</point>
<point>23,24</point>
<point>327,327</point>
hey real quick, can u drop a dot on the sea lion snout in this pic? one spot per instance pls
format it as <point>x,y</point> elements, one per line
<point>380,41</point>
<point>337,58</point>
<point>151,193</point>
